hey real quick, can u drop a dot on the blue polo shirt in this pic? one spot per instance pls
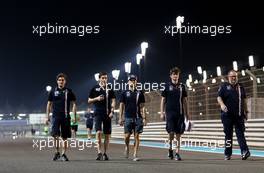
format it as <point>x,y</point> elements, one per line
<point>132,101</point>
<point>61,100</point>
<point>233,97</point>
<point>174,94</point>
<point>100,107</point>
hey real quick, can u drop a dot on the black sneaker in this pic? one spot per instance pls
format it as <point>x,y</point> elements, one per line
<point>64,158</point>
<point>56,156</point>
<point>99,156</point>
<point>227,157</point>
<point>178,157</point>
<point>105,157</point>
<point>245,155</point>
<point>170,154</point>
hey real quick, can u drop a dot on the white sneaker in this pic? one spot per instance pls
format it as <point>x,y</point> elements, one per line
<point>135,159</point>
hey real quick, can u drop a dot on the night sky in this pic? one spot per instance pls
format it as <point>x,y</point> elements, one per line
<point>29,62</point>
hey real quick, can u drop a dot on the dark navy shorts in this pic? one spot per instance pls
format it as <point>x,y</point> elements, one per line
<point>74,127</point>
<point>175,123</point>
<point>103,120</point>
<point>89,123</point>
<point>133,125</point>
<point>61,127</point>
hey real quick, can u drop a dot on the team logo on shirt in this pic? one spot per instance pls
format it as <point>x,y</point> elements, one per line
<point>228,87</point>
<point>56,93</point>
<point>97,89</point>
<point>128,94</point>
<point>171,88</point>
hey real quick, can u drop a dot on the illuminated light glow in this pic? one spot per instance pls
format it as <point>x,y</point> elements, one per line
<point>199,70</point>
<point>48,88</point>
<point>218,71</point>
<point>138,58</point>
<point>243,73</point>
<point>96,76</point>
<point>204,75</point>
<point>128,67</point>
<point>258,80</point>
<point>235,66</point>
<point>251,61</point>
<point>115,74</point>
<point>144,46</point>
<point>190,78</point>
<point>213,80</point>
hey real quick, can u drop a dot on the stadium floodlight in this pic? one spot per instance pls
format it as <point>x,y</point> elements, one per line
<point>96,76</point>
<point>258,80</point>
<point>218,71</point>
<point>144,46</point>
<point>200,70</point>
<point>128,67</point>
<point>235,66</point>
<point>243,73</point>
<point>190,78</point>
<point>251,61</point>
<point>138,58</point>
<point>214,80</point>
<point>48,88</point>
<point>188,84</point>
<point>204,75</point>
<point>115,74</point>
<point>179,21</point>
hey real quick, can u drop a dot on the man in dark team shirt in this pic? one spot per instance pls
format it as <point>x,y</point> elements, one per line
<point>174,99</point>
<point>103,99</point>
<point>89,122</point>
<point>233,103</point>
<point>132,101</point>
<point>60,100</point>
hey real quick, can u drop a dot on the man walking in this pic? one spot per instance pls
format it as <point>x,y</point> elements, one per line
<point>60,100</point>
<point>174,100</point>
<point>233,104</point>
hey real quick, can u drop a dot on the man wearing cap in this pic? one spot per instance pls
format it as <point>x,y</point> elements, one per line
<point>233,104</point>
<point>60,99</point>
<point>131,115</point>
<point>174,100</point>
<point>103,98</point>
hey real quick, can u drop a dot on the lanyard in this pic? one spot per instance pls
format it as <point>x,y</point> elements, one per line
<point>106,97</point>
<point>239,99</point>
<point>137,98</point>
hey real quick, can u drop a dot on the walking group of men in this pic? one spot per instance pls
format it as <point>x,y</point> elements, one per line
<point>173,108</point>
